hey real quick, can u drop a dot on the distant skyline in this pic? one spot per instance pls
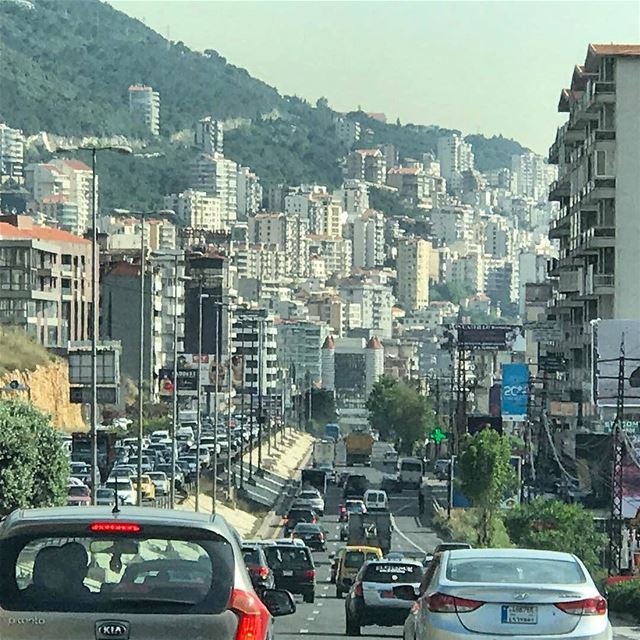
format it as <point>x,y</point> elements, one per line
<point>478,66</point>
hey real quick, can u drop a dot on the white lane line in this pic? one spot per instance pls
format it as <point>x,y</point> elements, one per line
<point>406,506</point>
<point>316,612</point>
<point>311,619</point>
<point>404,537</point>
<point>304,630</point>
<point>320,604</point>
<point>326,587</point>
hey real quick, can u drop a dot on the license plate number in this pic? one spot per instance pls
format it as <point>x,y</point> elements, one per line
<point>287,573</point>
<point>517,614</point>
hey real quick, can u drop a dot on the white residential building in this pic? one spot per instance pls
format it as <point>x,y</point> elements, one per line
<point>368,165</point>
<point>125,233</point>
<point>249,195</point>
<point>376,302</point>
<point>11,153</point>
<point>368,240</point>
<point>144,106</point>
<point>414,257</point>
<point>452,223</point>
<point>347,131</point>
<point>498,236</point>
<point>354,195</point>
<point>197,210</point>
<point>455,156</point>
<point>208,135</point>
<point>530,175</point>
<point>336,253</point>
<point>217,176</point>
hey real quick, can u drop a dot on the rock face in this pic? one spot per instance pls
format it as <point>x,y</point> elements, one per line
<point>49,386</point>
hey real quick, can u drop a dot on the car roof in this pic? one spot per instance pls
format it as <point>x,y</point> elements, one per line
<point>361,547</point>
<point>383,561</point>
<point>519,554</point>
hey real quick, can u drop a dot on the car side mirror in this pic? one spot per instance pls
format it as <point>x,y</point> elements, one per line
<point>279,602</point>
<point>405,592</point>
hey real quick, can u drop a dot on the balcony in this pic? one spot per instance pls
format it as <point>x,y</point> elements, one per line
<point>569,281</point>
<point>599,189</point>
<point>604,284</point>
<point>559,227</point>
<point>598,137</point>
<point>560,189</point>
<point>599,93</point>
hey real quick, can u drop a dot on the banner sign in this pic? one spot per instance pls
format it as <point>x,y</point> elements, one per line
<point>480,423</point>
<point>491,337</point>
<point>515,391</point>
<point>552,362</point>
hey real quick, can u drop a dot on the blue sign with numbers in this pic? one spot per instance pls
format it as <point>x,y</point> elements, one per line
<point>515,391</point>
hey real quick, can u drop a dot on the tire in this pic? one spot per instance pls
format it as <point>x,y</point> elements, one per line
<point>309,597</point>
<point>338,594</point>
<point>352,628</point>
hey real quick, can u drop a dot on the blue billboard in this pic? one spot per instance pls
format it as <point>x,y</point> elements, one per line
<point>515,391</point>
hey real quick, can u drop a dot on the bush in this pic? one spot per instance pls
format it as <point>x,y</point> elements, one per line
<point>19,352</point>
<point>624,597</point>
<point>463,527</point>
<point>33,466</point>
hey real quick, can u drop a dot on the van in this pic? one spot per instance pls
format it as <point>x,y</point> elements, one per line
<point>410,472</point>
<point>350,563</point>
<point>376,500</point>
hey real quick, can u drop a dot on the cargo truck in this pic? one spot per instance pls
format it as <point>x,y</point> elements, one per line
<point>324,452</point>
<point>359,445</point>
<point>371,530</point>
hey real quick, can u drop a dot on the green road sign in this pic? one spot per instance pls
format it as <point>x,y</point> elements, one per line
<point>438,435</point>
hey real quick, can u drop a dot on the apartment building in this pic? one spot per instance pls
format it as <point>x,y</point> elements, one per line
<point>144,107</point>
<point>412,264</point>
<point>348,131</point>
<point>455,156</point>
<point>249,196</point>
<point>498,236</point>
<point>11,154</point>
<point>124,233</point>
<point>354,196</point>
<point>45,281</point>
<point>299,344</point>
<point>368,165</point>
<point>452,223</point>
<point>336,253</point>
<point>208,135</point>
<point>597,151</point>
<point>217,176</point>
<point>198,210</point>
<point>376,302</point>
<point>530,175</point>
<point>469,268</point>
<point>412,183</point>
<point>368,240</point>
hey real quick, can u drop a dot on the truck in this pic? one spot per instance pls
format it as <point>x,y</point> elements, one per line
<point>332,431</point>
<point>371,530</point>
<point>324,452</point>
<point>315,478</point>
<point>359,445</point>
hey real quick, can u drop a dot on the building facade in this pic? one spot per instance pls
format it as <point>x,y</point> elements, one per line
<point>11,154</point>
<point>412,264</point>
<point>144,107</point>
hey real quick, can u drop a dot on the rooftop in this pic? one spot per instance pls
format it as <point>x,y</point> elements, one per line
<point>10,231</point>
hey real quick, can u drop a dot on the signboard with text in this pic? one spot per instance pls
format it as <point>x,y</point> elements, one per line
<point>491,337</point>
<point>515,391</point>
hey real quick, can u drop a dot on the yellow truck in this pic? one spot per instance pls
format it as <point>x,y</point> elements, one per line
<point>359,445</point>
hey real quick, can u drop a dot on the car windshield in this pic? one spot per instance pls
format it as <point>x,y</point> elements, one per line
<point>514,571</point>
<point>300,514</point>
<point>309,495</point>
<point>408,465</point>
<point>355,559</point>
<point>78,491</point>
<point>116,574</point>
<point>287,556</point>
<point>389,573</point>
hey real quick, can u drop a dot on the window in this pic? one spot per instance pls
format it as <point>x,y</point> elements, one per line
<point>389,573</point>
<point>601,163</point>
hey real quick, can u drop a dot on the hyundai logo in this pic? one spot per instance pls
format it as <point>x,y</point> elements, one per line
<point>106,630</point>
<point>521,596</point>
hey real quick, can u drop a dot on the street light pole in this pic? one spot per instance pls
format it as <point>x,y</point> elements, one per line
<point>229,390</point>
<point>199,394</point>
<point>260,414</point>
<point>174,395</point>
<point>216,379</point>
<point>141,359</point>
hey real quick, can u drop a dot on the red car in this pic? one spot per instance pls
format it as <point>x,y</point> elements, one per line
<point>78,496</point>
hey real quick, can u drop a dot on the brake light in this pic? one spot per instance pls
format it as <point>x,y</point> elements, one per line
<point>263,572</point>
<point>357,589</point>
<point>444,603</point>
<point>253,616</point>
<point>587,607</point>
<point>114,527</point>
<point>310,574</point>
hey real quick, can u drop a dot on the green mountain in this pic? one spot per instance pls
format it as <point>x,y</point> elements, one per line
<point>65,66</point>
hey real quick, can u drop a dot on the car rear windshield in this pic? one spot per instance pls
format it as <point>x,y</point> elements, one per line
<point>408,465</point>
<point>78,491</point>
<point>514,571</point>
<point>288,557</point>
<point>251,556</point>
<point>390,573</point>
<point>301,514</point>
<point>113,574</point>
<point>355,559</point>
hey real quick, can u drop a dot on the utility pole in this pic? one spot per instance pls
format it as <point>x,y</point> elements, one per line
<point>260,410</point>
<point>229,390</point>
<point>141,360</point>
<point>174,394</point>
<point>198,398</point>
<point>216,383</point>
<point>242,422</point>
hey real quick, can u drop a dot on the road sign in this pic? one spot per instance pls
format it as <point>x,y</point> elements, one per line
<point>438,435</point>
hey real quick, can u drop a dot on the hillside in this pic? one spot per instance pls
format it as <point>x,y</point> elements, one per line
<point>65,67</point>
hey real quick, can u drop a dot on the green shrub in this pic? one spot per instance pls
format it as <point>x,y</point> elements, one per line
<point>624,597</point>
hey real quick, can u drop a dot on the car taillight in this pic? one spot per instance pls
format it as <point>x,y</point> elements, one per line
<point>587,607</point>
<point>313,521</point>
<point>253,616</point>
<point>310,574</point>
<point>263,572</point>
<point>115,527</point>
<point>358,589</point>
<point>444,603</point>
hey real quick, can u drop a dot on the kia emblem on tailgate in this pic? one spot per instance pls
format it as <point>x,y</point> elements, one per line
<point>108,629</point>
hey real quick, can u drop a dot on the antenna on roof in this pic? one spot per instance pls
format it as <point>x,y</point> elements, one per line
<point>116,506</point>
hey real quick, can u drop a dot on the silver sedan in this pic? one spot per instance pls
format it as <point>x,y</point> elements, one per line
<point>512,593</point>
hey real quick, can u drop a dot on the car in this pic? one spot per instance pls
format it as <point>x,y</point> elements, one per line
<point>329,470</point>
<point>258,567</point>
<point>314,498</point>
<point>105,496</point>
<point>166,469</point>
<point>76,482</point>
<point>187,429</point>
<point>350,563</point>
<point>299,514</point>
<point>148,488</point>
<point>311,534</point>
<point>334,557</point>
<point>160,482</point>
<point>441,469</point>
<point>507,593</point>
<point>124,471</point>
<point>293,569</point>
<point>450,546</point>
<point>205,455</point>
<point>355,486</point>
<point>124,488</point>
<point>410,471</point>
<point>159,435</point>
<point>390,457</point>
<point>179,572</point>
<point>78,496</point>
<point>376,500</point>
<point>378,595</point>
<point>391,483</point>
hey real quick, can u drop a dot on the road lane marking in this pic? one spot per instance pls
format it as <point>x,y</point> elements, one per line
<point>404,537</point>
<point>304,630</point>
<point>311,619</point>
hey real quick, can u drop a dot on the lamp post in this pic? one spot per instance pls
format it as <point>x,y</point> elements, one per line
<point>95,259</point>
<point>201,297</point>
<point>141,361</point>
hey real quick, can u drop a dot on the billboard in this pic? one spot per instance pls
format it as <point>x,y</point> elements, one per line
<point>515,391</point>
<point>608,335</point>
<point>480,423</point>
<point>552,362</point>
<point>491,337</point>
<point>593,467</point>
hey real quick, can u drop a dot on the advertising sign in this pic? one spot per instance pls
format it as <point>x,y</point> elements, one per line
<point>552,362</point>
<point>480,423</point>
<point>515,391</point>
<point>545,332</point>
<point>608,335</point>
<point>491,337</point>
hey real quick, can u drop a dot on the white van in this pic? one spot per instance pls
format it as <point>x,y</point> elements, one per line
<point>376,500</point>
<point>410,472</point>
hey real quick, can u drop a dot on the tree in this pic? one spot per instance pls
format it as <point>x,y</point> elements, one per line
<point>379,405</point>
<point>33,466</point>
<point>556,526</point>
<point>486,475</point>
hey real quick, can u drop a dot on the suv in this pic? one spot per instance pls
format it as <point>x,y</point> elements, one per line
<point>258,567</point>
<point>169,570</point>
<point>377,597</point>
<point>311,534</point>
<point>355,486</point>
<point>298,514</point>
<point>293,569</point>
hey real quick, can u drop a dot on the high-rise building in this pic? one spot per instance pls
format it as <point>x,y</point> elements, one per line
<point>354,195</point>
<point>11,153</point>
<point>529,175</point>
<point>412,183</point>
<point>347,131</point>
<point>455,156</point>
<point>208,135</point>
<point>368,240</point>
<point>452,223</point>
<point>217,176</point>
<point>375,300</point>
<point>198,210</point>
<point>144,107</point>
<point>249,195</point>
<point>299,346</point>
<point>597,151</point>
<point>414,257</point>
<point>368,165</point>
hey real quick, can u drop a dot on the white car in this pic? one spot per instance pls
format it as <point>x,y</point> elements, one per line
<point>160,482</point>
<point>376,500</point>
<point>313,497</point>
<point>124,488</point>
<point>514,593</point>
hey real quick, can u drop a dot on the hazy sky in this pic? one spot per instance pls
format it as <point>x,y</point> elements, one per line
<point>478,66</point>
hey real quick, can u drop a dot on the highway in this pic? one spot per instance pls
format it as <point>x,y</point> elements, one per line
<point>325,619</point>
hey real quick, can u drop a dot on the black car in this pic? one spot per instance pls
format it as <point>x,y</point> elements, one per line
<point>298,514</point>
<point>355,486</point>
<point>311,534</point>
<point>293,569</point>
<point>259,571</point>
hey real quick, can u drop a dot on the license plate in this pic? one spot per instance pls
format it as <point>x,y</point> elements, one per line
<point>517,614</point>
<point>287,573</point>
<point>387,594</point>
